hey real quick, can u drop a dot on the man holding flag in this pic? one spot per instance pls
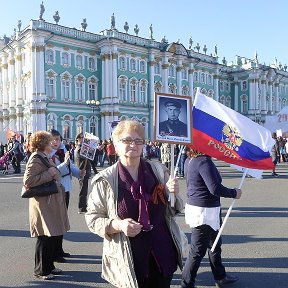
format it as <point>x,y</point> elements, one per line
<point>219,132</point>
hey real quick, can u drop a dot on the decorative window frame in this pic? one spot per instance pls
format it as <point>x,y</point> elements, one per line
<point>50,74</point>
<point>133,82</point>
<point>133,65</point>
<point>172,71</point>
<point>67,120</point>
<point>244,99</point>
<point>79,62</point>
<point>221,85</point>
<point>50,56</point>
<point>68,64</point>
<point>157,71</point>
<point>196,77</point>
<point>94,68</point>
<point>244,85</point>
<point>123,80</point>
<point>228,101</point>
<point>172,88</point>
<point>80,79</point>
<point>66,76</point>
<point>185,90</point>
<point>143,91</point>
<point>122,63</point>
<point>92,81</point>
<point>51,121</point>
<point>202,78</point>
<point>143,66</point>
<point>209,80</point>
<point>184,74</point>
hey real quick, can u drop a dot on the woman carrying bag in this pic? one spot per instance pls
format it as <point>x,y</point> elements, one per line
<point>48,214</point>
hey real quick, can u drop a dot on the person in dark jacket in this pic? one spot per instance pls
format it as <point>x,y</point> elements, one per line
<point>82,163</point>
<point>202,214</point>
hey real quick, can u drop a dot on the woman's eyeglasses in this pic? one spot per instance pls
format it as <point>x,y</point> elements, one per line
<point>129,141</point>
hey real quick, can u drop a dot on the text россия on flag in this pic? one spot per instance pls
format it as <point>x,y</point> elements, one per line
<point>227,135</point>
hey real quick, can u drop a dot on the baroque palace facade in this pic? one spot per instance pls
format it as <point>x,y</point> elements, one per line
<point>48,72</point>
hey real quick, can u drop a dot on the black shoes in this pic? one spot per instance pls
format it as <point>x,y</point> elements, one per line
<point>65,254</point>
<point>229,279</point>
<point>60,260</point>
<point>274,174</point>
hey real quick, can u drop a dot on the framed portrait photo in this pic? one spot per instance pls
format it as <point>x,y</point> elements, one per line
<point>172,118</point>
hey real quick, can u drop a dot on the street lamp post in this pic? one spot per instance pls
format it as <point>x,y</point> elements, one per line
<point>93,104</point>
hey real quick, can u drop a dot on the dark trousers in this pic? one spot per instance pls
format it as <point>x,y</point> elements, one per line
<point>82,204</point>
<point>202,238</point>
<point>155,278</point>
<point>44,255</point>
<point>16,163</point>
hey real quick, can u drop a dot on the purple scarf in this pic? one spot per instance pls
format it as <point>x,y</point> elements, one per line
<point>139,194</point>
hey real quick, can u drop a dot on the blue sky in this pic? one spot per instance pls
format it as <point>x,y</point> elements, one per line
<point>237,27</point>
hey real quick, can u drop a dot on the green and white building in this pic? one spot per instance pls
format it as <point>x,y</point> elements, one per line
<point>49,71</point>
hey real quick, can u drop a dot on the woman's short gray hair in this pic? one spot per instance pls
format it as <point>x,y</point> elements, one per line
<point>128,126</point>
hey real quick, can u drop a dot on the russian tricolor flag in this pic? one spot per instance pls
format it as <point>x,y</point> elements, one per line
<point>225,134</point>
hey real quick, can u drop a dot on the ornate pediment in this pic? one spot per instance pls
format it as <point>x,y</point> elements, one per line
<point>177,48</point>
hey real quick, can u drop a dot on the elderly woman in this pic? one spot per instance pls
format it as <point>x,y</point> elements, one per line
<point>47,214</point>
<point>128,207</point>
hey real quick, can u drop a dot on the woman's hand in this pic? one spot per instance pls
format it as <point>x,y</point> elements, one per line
<point>128,226</point>
<point>67,158</point>
<point>172,185</point>
<point>239,193</point>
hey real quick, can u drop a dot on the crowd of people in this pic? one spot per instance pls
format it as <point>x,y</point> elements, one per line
<point>128,204</point>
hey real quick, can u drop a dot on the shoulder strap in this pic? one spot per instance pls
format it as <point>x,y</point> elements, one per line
<point>46,163</point>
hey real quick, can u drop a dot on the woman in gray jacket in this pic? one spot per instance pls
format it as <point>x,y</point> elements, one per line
<point>128,207</point>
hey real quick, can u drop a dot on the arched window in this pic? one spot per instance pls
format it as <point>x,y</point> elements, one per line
<point>133,90</point>
<point>157,68</point>
<point>51,121</point>
<point>91,64</point>
<point>66,86</point>
<point>92,88</point>
<point>210,80</point>
<point>80,88</point>
<point>171,71</point>
<point>184,74</point>
<point>221,86</point>
<point>79,62</point>
<point>122,87</point>
<point>143,92</point>
<point>50,56</point>
<point>65,59</point>
<point>228,101</point>
<point>142,66</point>
<point>132,65</point>
<point>195,76</point>
<point>51,84</point>
<point>122,62</point>
<point>244,104</point>
<point>202,77</point>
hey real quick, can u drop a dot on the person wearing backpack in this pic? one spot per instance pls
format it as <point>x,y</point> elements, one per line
<point>17,153</point>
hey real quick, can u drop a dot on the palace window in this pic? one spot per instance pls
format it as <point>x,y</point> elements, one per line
<point>202,77</point>
<point>158,87</point>
<point>209,80</point>
<point>65,59</point>
<point>143,92</point>
<point>66,87</point>
<point>122,87</point>
<point>221,86</point>
<point>50,88</point>
<point>157,68</point>
<point>92,88</point>
<point>222,100</point>
<point>171,71</point>
<point>122,63</point>
<point>79,95</point>
<point>184,74</point>
<point>244,104</point>
<point>91,64</point>
<point>244,85</point>
<point>172,88</point>
<point>79,62</point>
<point>228,101</point>
<point>142,66</point>
<point>133,89</point>
<point>195,76</point>
<point>50,56</point>
<point>185,90</point>
<point>133,65</point>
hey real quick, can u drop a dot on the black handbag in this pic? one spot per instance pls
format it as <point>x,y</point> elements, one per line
<point>41,190</point>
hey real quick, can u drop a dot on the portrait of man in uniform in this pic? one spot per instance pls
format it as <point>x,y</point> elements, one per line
<point>173,126</point>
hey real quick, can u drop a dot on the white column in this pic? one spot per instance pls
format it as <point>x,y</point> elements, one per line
<point>164,75</point>
<point>11,76</point>
<point>257,104</point>
<point>107,78</point>
<point>263,97</point>
<point>103,76</point>
<point>277,108</point>
<point>251,96</point>
<point>114,76</point>
<point>5,81</point>
<point>190,80</point>
<point>150,98</point>
<point>18,72</point>
<point>216,87</point>
<point>179,77</point>
<point>270,96</point>
<point>236,100</point>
